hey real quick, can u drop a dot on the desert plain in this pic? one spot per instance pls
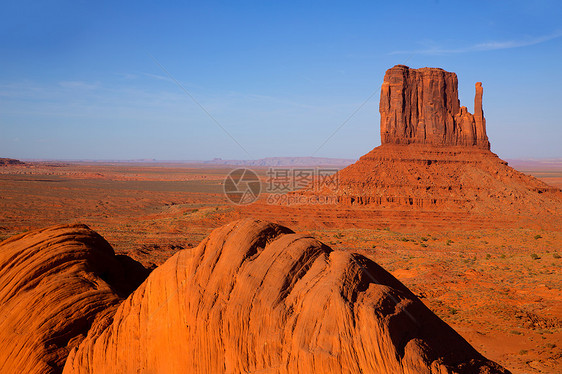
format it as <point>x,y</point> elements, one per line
<point>498,285</point>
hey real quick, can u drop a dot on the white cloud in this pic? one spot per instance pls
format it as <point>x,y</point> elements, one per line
<point>127,76</point>
<point>79,85</point>
<point>159,77</point>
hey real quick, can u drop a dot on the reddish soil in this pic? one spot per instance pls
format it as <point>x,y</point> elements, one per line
<point>496,280</point>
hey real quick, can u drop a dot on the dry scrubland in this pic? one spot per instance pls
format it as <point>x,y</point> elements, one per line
<point>500,288</point>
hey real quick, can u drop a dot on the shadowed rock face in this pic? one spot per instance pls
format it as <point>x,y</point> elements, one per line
<point>54,283</point>
<point>422,106</point>
<point>256,297</point>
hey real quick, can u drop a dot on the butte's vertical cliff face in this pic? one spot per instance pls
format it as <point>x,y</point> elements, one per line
<point>422,106</point>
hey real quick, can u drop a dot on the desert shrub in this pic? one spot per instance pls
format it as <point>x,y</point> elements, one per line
<point>423,245</point>
<point>555,255</point>
<point>404,239</point>
<point>488,256</point>
<point>523,351</point>
<point>538,236</point>
<point>424,239</point>
<point>338,235</point>
<point>535,256</point>
<point>449,241</point>
<point>502,255</point>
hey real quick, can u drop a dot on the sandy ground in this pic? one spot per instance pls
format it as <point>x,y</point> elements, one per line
<point>499,287</point>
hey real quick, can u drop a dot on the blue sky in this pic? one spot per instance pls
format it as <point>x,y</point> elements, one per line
<point>88,80</point>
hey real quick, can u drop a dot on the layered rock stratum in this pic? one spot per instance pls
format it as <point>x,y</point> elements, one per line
<point>424,176</point>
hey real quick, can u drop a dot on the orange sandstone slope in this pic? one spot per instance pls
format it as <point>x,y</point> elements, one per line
<point>54,283</point>
<point>475,180</point>
<point>256,297</point>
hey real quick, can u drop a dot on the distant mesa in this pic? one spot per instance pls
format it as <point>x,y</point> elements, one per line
<point>285,162</point>
<point>10,161</point>
<point>422,106</point>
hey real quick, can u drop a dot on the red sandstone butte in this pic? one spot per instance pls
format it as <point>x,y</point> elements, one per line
<point>422,106</point>
<point>435,156</point>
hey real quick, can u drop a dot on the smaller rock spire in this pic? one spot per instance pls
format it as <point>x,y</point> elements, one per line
<point>479,120</point>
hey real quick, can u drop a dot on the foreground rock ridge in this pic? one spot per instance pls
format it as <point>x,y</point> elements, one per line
<point>256,297</point>
<point>421,106</point>
<point>54,284</point>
